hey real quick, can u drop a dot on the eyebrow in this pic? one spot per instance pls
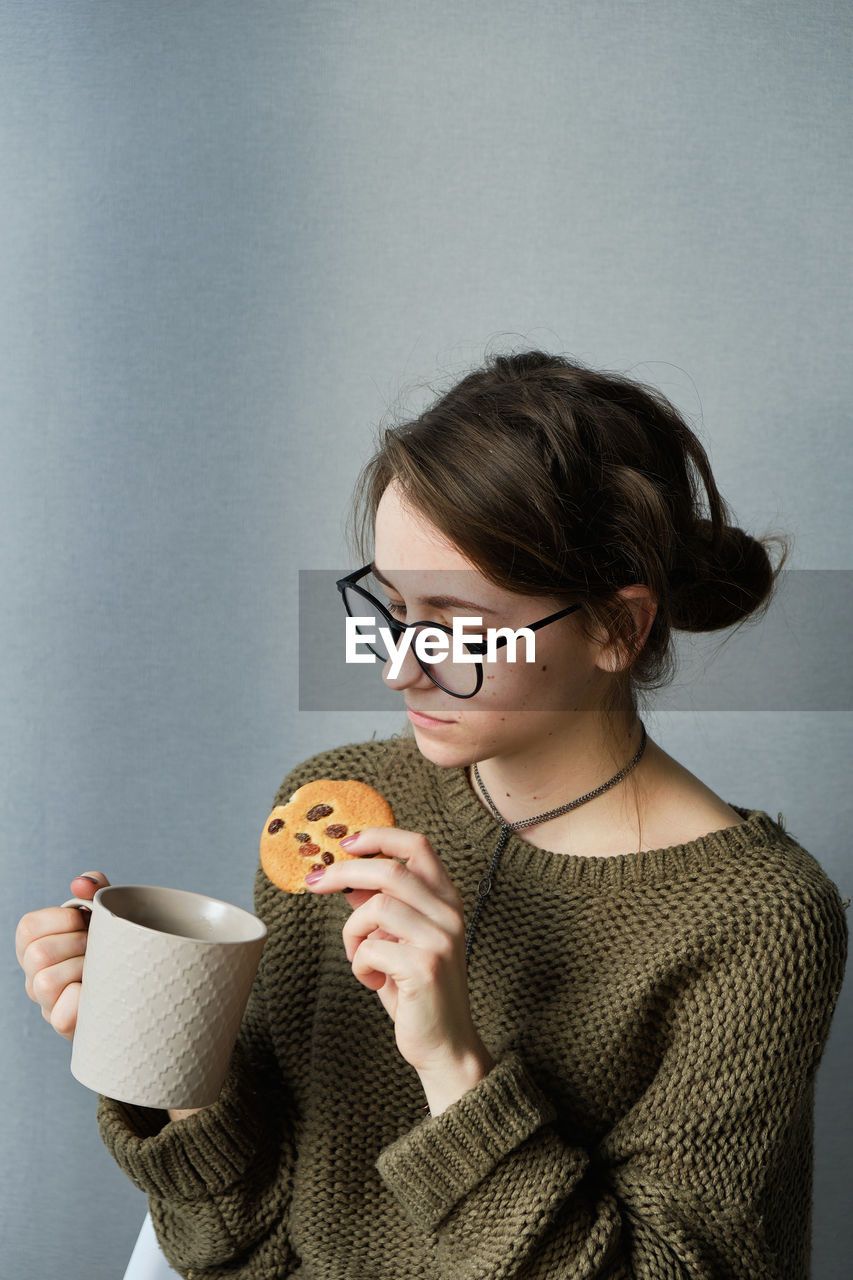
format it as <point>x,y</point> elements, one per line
<point>437,602</point>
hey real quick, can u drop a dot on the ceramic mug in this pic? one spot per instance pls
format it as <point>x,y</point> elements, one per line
<point>166,979</point>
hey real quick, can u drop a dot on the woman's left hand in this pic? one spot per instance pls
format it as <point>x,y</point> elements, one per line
<point>405,940</point>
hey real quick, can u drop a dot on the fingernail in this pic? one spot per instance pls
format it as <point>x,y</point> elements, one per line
<point>89,878</point>
<point>349,840</point>
<point>314,876</point>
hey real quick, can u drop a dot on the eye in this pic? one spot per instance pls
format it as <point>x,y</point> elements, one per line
<point>396,608</point>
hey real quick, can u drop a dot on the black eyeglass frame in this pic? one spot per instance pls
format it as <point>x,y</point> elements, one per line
<point>397,628</point>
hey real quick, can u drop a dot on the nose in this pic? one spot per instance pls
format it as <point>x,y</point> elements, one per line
<point>410,676</point>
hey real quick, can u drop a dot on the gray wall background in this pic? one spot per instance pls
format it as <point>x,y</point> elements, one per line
<point>233,236</point>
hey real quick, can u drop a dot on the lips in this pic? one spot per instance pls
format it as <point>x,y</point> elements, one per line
<point>425,715</point>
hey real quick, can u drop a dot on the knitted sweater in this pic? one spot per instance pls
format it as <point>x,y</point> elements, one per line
<point>656,1020</point>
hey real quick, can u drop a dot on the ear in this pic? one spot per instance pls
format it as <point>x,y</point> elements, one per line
<point>644,609</point>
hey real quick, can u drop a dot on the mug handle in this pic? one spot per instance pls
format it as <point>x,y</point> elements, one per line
<point>78,902</point>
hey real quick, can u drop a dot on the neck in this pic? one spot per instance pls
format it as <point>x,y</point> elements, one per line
<point>581,753</point>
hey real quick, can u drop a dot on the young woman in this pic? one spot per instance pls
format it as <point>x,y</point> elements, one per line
<point>567,1023</point>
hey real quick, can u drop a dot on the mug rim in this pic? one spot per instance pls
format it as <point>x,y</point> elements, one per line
<point>260,929</point>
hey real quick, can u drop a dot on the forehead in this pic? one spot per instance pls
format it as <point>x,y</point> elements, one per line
<point>419,559</point>
<point>405,539</point>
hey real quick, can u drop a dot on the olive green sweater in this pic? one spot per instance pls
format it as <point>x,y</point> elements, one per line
<point>656,1020</point>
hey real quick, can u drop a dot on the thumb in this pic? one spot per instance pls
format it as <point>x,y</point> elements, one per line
<point>87,885</point>
<point>356,897</point>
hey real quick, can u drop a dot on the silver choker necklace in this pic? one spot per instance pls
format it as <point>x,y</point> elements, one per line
<point>485,885</point>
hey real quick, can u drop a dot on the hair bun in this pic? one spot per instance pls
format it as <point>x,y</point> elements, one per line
<point>720,581</point>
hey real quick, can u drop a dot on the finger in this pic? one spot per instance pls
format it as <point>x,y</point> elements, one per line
<point>400,921</point>
<point>48,984</point>
<point>402,848</point>
<point>54,948</point>
<point>369,977</point>
<point>383,933</point>
<point>46,923</point>
<point>88,884</point>
<point>409,847</point>
<point>63,1015</point>
<point>356,897</point>
<point>377,957</point>
<point>393,878</point>
<point>372,979</point>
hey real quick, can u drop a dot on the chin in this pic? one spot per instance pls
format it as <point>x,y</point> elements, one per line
<point>447,755</point>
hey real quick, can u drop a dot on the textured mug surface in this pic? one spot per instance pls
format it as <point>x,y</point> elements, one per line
<point>166,978</point>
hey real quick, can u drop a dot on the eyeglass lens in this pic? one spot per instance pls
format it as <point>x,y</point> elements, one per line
<point>372,634</point>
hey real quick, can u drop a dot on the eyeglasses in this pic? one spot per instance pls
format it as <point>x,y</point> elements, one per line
<point>461,679</point>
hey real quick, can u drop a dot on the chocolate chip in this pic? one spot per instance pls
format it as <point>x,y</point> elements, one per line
<point>276,825</point>
<point>336,831</point>
<point>318,811</point>
<point>328,858</point>
<point>301,836</point>
<point>318,866</point>
<point>310,850</point>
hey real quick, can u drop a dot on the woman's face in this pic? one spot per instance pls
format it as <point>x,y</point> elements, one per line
<point>519,703</point>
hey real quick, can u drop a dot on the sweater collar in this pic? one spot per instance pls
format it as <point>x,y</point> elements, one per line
<point>480,830</point>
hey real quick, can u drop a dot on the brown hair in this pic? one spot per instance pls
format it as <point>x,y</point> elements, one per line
<point>557,480</point>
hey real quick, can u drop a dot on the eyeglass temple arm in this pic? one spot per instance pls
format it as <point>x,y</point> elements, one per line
<point>534,626</point>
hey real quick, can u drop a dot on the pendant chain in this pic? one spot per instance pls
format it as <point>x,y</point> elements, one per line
<point>485,885</point>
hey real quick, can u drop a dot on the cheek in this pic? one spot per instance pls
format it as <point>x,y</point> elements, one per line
<point>544,702</point>
<point>555,680</point>
<point>512,687</point>
<point>502,672</point>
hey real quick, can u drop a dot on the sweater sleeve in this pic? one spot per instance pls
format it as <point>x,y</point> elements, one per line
<point>708,1174</point>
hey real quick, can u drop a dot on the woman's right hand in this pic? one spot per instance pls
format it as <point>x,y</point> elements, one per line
<point>50,945</point>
